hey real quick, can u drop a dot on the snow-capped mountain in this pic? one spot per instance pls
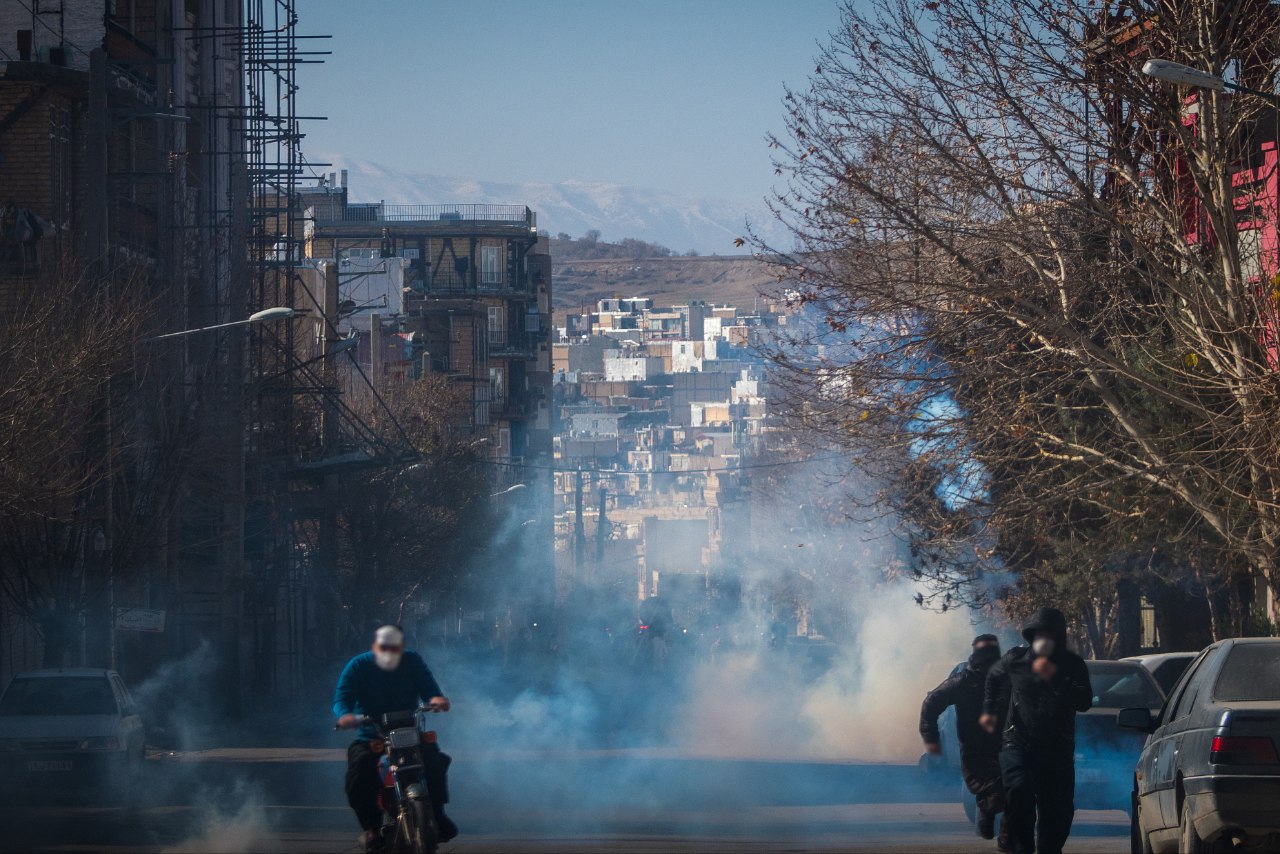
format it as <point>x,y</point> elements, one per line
<point>574,207</point>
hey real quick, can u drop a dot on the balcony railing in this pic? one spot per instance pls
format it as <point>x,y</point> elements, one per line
<point>514,214</point>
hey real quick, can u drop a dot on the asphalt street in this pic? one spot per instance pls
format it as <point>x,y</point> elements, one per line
<point>291,801</point>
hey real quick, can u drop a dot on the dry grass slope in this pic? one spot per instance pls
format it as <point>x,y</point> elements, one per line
<point>735,279</point>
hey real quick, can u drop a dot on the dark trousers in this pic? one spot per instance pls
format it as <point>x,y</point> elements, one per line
<point>1038,783</point>
<point>981,774</point>
<point>363,783</point>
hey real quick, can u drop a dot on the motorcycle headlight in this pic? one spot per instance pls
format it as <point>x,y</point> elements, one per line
<point>108,742</point>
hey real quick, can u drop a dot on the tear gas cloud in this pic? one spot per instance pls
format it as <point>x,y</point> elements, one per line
<point>740,683</point>
<point>818,655</point>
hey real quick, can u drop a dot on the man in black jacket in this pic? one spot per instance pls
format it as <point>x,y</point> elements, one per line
<point>979,749</point>
<point>1036,691</point>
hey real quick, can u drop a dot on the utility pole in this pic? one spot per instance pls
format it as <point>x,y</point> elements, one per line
<point>579,534</point>
<point>328,534</point>
<point>602,532</point>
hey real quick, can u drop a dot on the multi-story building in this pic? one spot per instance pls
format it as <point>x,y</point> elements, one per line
<point>461,292</point>
<point>475,303</point>
<point>122,159</point>
<point>661,408</point>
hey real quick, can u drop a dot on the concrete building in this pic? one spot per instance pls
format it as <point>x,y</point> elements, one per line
<point>476,299</point>
<point>122,156</point>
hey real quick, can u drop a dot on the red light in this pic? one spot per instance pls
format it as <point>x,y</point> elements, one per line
<point>1243,750</point>
<point>644,628</point>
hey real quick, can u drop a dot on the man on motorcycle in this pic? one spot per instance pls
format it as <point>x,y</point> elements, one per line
<point>386,679</point>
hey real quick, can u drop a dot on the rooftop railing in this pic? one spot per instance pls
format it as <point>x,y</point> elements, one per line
<point>515,214</point>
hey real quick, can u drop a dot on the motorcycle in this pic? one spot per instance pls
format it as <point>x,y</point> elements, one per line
<point>407,753</point>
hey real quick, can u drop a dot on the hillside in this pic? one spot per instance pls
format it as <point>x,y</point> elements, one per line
<point>735,279</point>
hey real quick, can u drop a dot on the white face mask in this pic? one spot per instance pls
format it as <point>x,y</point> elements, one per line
<point>1042,646</point>
<point>387,660</point>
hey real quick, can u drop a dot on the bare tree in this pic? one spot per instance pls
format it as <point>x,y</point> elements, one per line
<point>1027,263</point>
<point>86,474</point>
<point>408,531</point>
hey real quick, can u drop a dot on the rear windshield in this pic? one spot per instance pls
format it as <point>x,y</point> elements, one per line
<point>1123,688</point>
<point>56,695</point>
<point>1251,672</point>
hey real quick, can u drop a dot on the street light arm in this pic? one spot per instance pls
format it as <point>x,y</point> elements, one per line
<point>259,317</point>
<point>1185,75</point>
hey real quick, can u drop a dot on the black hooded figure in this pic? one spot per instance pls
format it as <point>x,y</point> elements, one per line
<point>1035,692</point>
<point>979,749</point>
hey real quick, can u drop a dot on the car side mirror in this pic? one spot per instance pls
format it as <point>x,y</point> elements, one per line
<point>1139,719</point>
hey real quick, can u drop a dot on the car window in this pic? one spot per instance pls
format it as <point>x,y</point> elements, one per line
<point>1251,672</point>
<point>1167,673</point>
<point>1123,689</point>
<point>1190,684</point>
<point>52,695</point>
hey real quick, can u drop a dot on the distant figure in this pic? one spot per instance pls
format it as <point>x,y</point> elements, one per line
<point>386,679</point>
<point>979,749</point>
<point>1037,690</point>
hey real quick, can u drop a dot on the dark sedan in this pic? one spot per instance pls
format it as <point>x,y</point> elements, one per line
<point>1208,778</point>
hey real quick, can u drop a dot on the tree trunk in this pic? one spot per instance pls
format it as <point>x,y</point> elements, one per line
<point>57,631</point>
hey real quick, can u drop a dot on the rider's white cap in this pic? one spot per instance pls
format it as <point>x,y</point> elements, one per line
<point>389,636</point>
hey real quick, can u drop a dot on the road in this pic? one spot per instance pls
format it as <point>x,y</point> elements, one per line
<point>291,801</point>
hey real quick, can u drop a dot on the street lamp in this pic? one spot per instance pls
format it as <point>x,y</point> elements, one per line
<point>508,491</point>
<point>267,314</point>
<point>1184,75</point>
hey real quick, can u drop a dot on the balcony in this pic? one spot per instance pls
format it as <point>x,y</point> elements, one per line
<point>452,214</point>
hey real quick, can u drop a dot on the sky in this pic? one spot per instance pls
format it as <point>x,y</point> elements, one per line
<point>674,96</point>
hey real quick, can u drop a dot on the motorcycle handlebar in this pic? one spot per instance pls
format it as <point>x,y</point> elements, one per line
<point>361,720</point>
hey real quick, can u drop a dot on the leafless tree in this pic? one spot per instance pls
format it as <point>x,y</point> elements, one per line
<point>1036,290</point>
<point>86,474</point>
<point>408,531</point>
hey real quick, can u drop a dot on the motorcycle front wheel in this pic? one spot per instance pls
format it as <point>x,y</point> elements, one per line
<point>418,827</point>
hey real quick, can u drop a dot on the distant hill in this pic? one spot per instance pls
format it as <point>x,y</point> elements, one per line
<point>735,279</point>
<point>575,207</point>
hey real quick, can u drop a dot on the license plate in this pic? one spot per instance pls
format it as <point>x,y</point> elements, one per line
<point>48,764</point>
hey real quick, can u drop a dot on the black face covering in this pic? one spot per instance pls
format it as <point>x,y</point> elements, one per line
<point>983,657</point>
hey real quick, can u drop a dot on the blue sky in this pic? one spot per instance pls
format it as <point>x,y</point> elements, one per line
<point>670,95</point>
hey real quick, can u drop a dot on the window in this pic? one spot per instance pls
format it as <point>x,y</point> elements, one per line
<point>1122,688</point>
<point>1180,704</point>
<point>56,695</point>
<point>491,265</point>
<point>1251,673</point>
<point>497,325</point>
<point>497,385</point>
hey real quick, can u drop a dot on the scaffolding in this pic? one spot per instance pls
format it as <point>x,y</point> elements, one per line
<point>271,50</point>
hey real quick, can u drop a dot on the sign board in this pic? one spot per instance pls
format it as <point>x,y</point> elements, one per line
<point>139,620</point>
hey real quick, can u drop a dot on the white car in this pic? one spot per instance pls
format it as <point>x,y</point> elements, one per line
<point>70,727</point>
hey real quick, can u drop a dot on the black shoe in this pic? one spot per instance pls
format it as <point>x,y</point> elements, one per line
<point>987,825</point>
<point>372,842</point>
<point>445,828</point>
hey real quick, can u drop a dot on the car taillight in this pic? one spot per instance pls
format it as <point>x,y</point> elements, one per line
<point>1243,750</point>
<point>109,742</point>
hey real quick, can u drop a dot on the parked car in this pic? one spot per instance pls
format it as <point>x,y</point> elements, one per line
<point>1105,753</point>
<point>73,728</point>
<point>1208,778</point>
<point>1166,667</point>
